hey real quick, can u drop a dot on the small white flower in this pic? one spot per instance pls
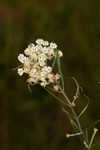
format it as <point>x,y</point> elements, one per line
<point>27,68</point>
<point>60,54</point>
<point>42,63</point>
<point>27,65</point>
<point>45,43</point>
<point>31,46</point>
<point>42,58</point>
<point>47,69</point>
<point>53,45</point>
<point>43,74</point>
<point>27,52</point>
<point>57,76</point>
<point>21,58</point>
<point>38,49</point>
<point>27,61</point>
<point>39,41</point>
<point>45,50</point>
<point>20,71</point>
<point>31,80</point>
<point>42,79</point>
<point>51,78</point>
<point>56,87</point>
<point>51,53</point>
<point>44,83</point>
<point>33,72</point>
<point>34,57</point>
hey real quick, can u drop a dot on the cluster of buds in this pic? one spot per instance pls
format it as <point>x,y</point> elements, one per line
<point>36,62</point>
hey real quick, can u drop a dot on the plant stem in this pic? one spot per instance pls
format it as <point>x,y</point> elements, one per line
<point>77,120</point>
<point>92,138</point>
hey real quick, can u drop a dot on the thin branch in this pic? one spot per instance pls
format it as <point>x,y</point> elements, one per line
<point>92,138</point>
<point>77,120</point>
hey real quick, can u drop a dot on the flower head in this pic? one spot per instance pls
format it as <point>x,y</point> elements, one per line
<point>37,63</point>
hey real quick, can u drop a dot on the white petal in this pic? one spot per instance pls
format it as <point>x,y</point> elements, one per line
<point>27,51</point>
<point>39,41</point>
<point>53,45</point>
<point>45,43</point>
<point>21,58</point>
<point>20,71</point>
<point>31,46</point>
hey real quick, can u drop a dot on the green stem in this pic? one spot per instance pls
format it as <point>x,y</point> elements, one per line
<point>77,120</point>
<point>75,116</point>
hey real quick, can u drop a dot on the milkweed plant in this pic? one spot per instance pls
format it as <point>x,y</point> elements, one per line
<point>41,63</point>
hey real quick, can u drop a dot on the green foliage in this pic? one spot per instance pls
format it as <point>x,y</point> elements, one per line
<point>60,71</point>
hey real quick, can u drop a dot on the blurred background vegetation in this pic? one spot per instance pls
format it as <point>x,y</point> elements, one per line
<point>34,121</point>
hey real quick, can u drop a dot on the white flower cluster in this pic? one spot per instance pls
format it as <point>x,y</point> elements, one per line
<point>36,63</point>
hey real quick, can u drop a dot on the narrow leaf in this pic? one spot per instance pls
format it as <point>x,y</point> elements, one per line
<point>60,71</point>
<point>85,108</point>
<point>87,138</point>
<point>77,88</point>
<point>83,111</point>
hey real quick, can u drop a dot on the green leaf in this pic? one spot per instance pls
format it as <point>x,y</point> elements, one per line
<point>87,137</point>
<point>60,71</point>
<point>83,111</point>
<point>85,108</point>
<point>77,87</point>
